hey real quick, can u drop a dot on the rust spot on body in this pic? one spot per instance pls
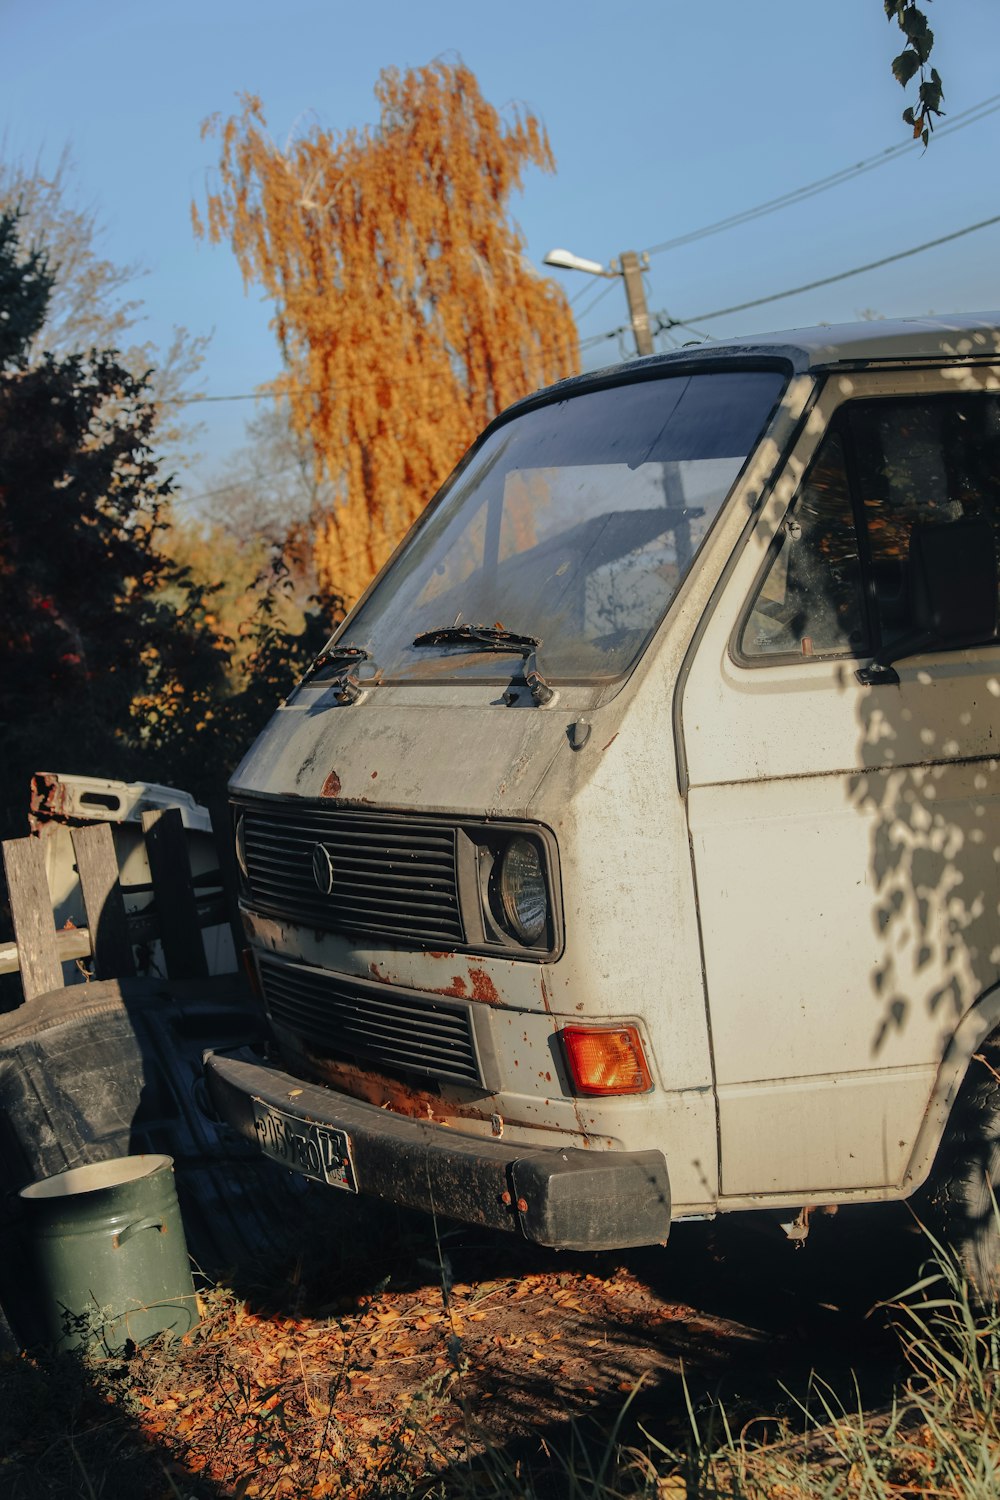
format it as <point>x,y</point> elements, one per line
<point>331,786</point>
<point>390,1093</point>
<point>483,987</point>
<point>374,775</point>
<point>611,740</point>
<point>376,973</point>
<point>458,988</point>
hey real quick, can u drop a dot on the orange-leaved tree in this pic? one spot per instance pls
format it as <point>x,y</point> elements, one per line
<point>406,312</point>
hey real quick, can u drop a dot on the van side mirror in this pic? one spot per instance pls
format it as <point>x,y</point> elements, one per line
<point>952,589</point>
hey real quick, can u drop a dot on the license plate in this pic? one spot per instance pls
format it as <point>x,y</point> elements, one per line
<point>318,1151</point>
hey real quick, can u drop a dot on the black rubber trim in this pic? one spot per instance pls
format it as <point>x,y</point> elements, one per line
<point>567,1198</point>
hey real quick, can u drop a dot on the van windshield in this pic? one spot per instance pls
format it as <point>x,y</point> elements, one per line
<point>573,524</point>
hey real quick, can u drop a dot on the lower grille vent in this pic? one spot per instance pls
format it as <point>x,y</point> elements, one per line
<point>405,1030</point>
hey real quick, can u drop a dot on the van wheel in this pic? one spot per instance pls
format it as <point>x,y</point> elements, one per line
<point>962,1199</point>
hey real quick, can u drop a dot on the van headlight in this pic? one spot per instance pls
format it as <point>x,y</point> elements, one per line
<point>522,889</point>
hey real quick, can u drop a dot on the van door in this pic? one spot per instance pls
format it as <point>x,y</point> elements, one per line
<point>845,837</point>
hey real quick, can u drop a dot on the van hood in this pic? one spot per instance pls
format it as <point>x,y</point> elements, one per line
<point>386,752</point>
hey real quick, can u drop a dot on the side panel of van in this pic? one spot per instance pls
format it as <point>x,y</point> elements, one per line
<point>845,838</point>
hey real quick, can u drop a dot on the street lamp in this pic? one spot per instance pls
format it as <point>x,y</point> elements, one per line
<point>629,269</point>
<point>567,261</point>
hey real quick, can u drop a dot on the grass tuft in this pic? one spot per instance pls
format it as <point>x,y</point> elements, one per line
<point>937,1438</point>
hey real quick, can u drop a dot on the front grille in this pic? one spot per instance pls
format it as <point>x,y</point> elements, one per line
<point>391,875</point>
<point>403,1030</point>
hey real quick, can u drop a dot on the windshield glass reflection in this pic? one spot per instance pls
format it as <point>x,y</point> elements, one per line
<point>573,524</point>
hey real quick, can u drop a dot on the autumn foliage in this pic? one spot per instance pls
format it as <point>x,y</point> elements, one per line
<point>406,312</point>
<point>130,645</point>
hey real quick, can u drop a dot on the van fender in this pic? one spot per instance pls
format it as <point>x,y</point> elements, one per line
<point>974,1029</point>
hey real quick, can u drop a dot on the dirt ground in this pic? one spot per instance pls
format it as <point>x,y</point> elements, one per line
<point>378,1355</point>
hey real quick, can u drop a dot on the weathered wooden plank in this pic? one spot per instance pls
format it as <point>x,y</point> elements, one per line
<point>74,942</point>
<point>222,832</point>
<point>97,865</point>
<point>177,913</point>
<point>31,910</point>
<point>71,942</point>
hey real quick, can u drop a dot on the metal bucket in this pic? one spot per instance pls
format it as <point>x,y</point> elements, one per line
<point>110,1256</point>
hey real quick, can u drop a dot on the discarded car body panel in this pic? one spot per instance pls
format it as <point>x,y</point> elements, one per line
<point>729,893</point>
<point>60,802</point>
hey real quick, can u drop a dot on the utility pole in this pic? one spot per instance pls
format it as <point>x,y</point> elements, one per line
<point>629,268</point>
<point>631,274</point>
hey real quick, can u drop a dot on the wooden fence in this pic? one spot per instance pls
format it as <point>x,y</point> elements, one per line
<point>179,910</point>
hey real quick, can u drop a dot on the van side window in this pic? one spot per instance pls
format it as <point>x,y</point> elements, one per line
<point>810,602</point>
<point>886,466</point>
<point>921,462</point>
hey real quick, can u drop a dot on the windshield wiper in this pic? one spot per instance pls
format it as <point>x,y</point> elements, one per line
<point>494,638</point>
<point>346,686</point>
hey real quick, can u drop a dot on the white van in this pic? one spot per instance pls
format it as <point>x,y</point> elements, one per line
<point>631,852</point>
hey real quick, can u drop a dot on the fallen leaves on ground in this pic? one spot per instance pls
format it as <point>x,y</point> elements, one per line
<point>387,1392</point>
<point>265,1405</point>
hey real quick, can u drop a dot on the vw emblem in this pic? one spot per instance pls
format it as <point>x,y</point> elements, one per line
<point>322,867</point>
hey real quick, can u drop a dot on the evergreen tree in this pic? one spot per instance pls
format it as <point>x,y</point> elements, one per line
<point>107,666</point>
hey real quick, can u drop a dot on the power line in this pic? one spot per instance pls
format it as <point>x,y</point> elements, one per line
<point>605,289</point>
<point>667,322</point>
<point>579,294</point>
<point>203,400</point>
<point>600,338</point>
<point>971,116</point>
<point>316,390</point>
<point>676,323</point>
<point>182,500</point>
<point>234,484</point>
<point>811,286</point>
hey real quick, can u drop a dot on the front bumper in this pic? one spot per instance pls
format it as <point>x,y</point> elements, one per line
<point>568,1198</point>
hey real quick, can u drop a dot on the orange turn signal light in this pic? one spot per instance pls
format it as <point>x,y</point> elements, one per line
<point>606,1060</point>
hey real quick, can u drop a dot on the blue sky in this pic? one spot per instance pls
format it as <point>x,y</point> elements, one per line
<point>663,117</point>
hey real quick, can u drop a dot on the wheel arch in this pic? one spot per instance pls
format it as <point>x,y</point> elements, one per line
<point>972,1032</point>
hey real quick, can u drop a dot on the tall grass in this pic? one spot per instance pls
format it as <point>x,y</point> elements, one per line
<point>936,1438</point>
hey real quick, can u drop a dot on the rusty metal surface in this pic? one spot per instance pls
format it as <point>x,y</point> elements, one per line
<point>420,1164</point>
<point>59,799</point>
<point>48,801</point>
<point>475,984</point>
<point>388,1093</point>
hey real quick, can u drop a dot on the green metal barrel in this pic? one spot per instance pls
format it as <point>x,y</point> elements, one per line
<point>110,1256</point>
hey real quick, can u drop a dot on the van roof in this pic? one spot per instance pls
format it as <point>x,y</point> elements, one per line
<point>960,335</point>
<point>965,336</point>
